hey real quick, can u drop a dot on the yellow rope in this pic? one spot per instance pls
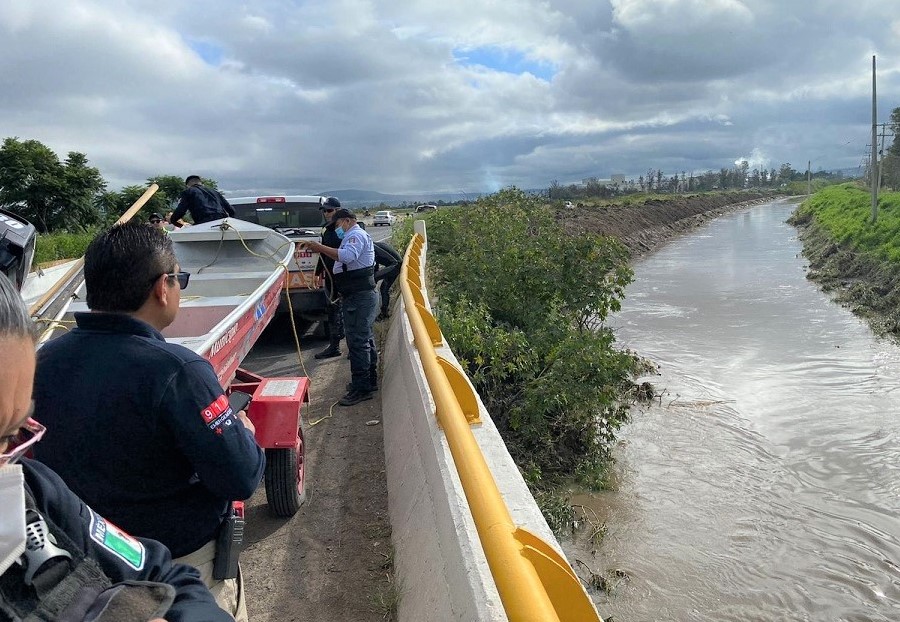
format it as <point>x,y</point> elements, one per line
<point>287,291</point>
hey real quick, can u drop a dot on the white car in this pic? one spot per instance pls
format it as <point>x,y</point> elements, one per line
<point>385,217</point>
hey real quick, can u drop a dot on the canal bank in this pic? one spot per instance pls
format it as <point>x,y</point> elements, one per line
<point>645,226</point>
<point>855,261</point>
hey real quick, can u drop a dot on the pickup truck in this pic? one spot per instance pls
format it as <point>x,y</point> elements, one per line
<point>300,219</point>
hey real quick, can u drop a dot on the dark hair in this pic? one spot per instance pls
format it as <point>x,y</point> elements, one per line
<point>14,320</point>
<point>191,178</point>
<point>121,264</point>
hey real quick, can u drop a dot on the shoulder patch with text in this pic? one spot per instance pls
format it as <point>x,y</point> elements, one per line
<point>127,548</point>
<point>218,414</point>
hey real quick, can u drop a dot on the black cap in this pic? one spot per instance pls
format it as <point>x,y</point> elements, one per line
<point>343,213</point>
<point>330,202</point>
<point>155,216</point>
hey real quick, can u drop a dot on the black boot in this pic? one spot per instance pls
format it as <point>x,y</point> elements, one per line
<point>329,352</point>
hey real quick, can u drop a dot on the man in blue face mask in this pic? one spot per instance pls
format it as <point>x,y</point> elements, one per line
<point>354,280</point>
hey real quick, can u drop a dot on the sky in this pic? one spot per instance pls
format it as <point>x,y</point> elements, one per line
<point>413,96</point>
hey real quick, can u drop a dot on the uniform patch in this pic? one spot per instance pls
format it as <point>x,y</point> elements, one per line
<point>218,414</point>
<point>214,410</point>
<point>127,548</point>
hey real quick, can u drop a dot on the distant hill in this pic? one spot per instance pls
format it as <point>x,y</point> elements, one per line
<point>367,198</point>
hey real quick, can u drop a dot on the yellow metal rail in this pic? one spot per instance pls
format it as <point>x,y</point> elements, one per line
<point>535,583</point>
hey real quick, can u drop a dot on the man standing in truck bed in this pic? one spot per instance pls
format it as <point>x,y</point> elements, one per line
<point>204,204</point>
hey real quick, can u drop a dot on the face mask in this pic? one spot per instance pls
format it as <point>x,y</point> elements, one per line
<point>12,515</point>
<point>339,231</point>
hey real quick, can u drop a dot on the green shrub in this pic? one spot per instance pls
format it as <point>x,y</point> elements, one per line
<point>522,304</point>
<point>57,246</point>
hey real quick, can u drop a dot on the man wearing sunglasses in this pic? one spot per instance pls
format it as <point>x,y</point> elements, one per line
<point>325,278</point>
<point>138,427</point>
<point>53,546</point>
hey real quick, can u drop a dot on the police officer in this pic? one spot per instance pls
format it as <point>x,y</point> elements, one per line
<point>204,204</point>
<point>87,555</point>
<point>140,428</point>
<point>325,275</point>
<point>354,279</point>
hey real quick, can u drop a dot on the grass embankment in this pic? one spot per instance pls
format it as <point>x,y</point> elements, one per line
<point>855,259</point>
<point>53,247</point>
<point>522,304</point>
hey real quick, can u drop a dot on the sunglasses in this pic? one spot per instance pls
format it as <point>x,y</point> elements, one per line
<point>19,443</point>
<point>155,221</point>
<point>328,211</point>
<point>183,278</point>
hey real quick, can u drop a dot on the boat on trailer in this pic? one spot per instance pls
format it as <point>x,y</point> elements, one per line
<point>236,278</point>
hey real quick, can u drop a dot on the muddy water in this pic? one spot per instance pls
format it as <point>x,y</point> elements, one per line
<point>765,482</point>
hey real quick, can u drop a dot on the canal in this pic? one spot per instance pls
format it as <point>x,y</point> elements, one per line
<point>763,482</point>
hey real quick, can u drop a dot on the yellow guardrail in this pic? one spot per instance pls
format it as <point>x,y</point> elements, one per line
<point>535,583</point>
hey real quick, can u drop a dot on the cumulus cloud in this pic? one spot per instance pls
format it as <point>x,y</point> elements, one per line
<point>422,95</point>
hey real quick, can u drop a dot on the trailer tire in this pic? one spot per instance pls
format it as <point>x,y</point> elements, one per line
<point>286,479</point>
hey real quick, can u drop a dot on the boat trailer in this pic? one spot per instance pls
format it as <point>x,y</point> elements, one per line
<point>275,411</point>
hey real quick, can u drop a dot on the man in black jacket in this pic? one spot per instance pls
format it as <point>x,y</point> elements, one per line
<point>87,555</point>
<point>387,269</point>
<point>325,275</point>
<point>138,427</point>
<point>204,204</point>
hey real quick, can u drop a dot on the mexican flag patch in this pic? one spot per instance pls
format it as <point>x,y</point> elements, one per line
<point>127,548</point>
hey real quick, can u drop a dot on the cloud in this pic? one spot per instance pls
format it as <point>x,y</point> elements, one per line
<point>419,95</point>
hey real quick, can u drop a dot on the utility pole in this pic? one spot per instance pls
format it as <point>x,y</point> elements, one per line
<point>874,167</point>
<point>808,178</point>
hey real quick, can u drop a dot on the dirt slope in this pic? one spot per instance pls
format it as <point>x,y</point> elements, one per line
<point>645,227</point>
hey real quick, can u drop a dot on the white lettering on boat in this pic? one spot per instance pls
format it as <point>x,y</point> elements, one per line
<point>223,341</point>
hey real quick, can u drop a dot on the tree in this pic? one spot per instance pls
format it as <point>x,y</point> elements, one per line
<point>785,173</point>
<point>890,175</point>
<point>51,194</point>
<point>553,190</point>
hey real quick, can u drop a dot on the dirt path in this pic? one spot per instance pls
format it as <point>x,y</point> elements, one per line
<point>332,561</point>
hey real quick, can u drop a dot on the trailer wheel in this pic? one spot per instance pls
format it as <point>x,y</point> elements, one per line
<point>286,479</point>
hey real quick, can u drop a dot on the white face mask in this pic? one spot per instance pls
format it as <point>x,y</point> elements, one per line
<point>12,515</point>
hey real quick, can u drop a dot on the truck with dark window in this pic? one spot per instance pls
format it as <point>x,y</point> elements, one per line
<point>298,218</point>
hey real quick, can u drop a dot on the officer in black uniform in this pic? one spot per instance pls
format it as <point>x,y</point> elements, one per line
<point>204,204</point>
<point>140,428</point>
<point>387,269</point>
<point>54,547</point>
<point>325,270</point>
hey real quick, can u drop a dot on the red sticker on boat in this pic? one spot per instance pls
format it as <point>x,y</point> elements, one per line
<point>214,410</point>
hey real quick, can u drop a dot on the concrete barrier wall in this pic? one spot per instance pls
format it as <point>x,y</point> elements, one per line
<point>439,562</point>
